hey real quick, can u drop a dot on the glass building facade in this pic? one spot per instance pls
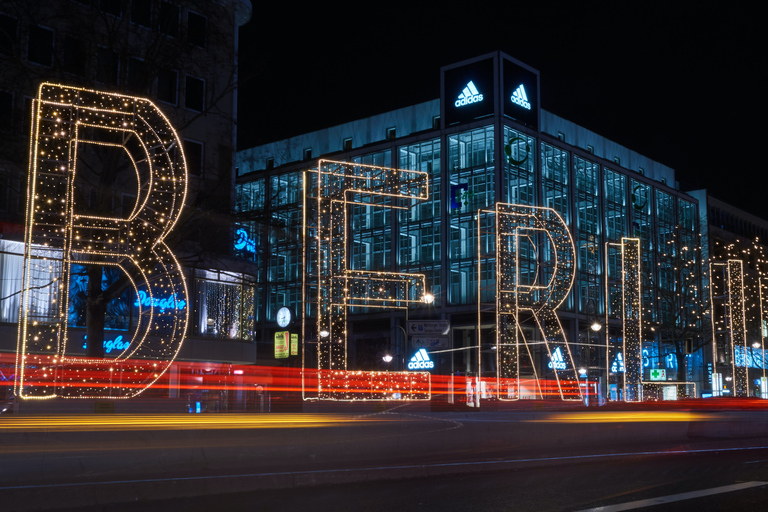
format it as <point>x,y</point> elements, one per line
<point>474,159</point>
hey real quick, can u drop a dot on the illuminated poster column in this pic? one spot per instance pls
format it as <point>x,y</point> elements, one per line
<point>59,235</point>
<point>340,185</point>
<point>531,294</point>
<point>728,319</point>
<point>626,299</point>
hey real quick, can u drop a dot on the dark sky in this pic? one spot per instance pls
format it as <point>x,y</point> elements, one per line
<point>683,84</point>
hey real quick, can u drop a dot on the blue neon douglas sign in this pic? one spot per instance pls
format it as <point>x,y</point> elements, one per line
<point>244,242</point>
<point>110,345</point>
<point>170,302</point>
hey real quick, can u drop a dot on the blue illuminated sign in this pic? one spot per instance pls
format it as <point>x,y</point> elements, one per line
<point>460,195</point>
<point>469,95</point>
<point>168,303</point>
<point>244,242</point>
<point>421,361</point>
<point>618,363</point>
<point>557,361</point>
<point>110,345</point>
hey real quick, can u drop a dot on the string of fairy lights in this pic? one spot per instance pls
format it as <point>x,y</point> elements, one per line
<point>58,236</point>
<point>537,298</point>
<point>631,315</point>
<point>338,186</point>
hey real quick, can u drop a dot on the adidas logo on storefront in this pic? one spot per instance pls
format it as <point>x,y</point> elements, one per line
<point>520,98</point>
<point>557,362</point>
<point>469,95</point>
<point>420,361</point>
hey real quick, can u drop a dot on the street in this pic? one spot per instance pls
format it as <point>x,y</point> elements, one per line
<point>571,460</point>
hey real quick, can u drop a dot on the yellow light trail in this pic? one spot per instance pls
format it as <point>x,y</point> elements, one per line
<point>626,417</point>
<point>74,423</point>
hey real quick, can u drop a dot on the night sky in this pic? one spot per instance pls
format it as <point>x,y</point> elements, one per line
<point>681,84</point>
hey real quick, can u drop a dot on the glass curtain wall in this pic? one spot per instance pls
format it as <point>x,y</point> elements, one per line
<point>471,187</point>
<point>419,227</point>
<point>554,176</point>
<point>587,240</point>
<point>284,259</point>
<point>371,243</point>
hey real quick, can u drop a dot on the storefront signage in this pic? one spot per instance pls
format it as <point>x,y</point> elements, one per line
<point>557,362</point>
<point>658,374</point>
<point>243,242</point>
<point>421,361</point>
<point>521,93</point>
<point>294,344</point>
<point>468,92</point>
<point>282,342</point>
<point>110,345</point>
<point>469,95</point>
<point>618,363</point>
<point>520,98</point>
<point>171,302</point>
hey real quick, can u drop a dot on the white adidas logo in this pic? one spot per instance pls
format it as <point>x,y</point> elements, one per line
<point>557,362</point>
<point>520,98</point>
<point>469,95</point>
<point>420,361</point>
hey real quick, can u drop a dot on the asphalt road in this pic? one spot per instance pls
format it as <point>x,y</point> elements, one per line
<point>386,461</point>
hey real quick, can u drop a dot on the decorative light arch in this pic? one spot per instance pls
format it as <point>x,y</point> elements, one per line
<point>729,321</point>
<point>58,236</point>
<point>535,298</point>
<point>338,287</point>
<point>631,314</point>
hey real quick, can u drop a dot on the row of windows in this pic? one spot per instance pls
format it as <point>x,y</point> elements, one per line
<point>417,247</point>
<point>102,64</point>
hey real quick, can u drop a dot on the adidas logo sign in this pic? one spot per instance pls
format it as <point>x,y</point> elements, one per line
<point>520,98</point>
<point>420,361</point>
<point>469,95</point>
<point>557,362</point>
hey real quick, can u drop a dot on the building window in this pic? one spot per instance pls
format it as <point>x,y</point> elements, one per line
<point>107,66</point>
<point>194,97</point>
<point>40,49</point>
<point>169,19</point>
<point>8,34</point>
<point>112,7</point>
<point>196,29</point>
<point>141,12</point>
<point>308,154</point>
<point>75,56</point>
<point>6,108</point>
<point>137,75</point>
<point>167,86</point>
<point>346,144</point>
<point>193,151</point>
<point>3,193</point>
<point>270,163</point>
<point>391,134</point>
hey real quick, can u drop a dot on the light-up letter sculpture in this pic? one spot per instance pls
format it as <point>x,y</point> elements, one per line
<point>60,236</point>
<point>628,307</point>
<point>729,322</point>
<point>534,259</point>
<point>340,287</point>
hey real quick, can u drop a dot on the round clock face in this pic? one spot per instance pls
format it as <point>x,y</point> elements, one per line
<point>283,316</point>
